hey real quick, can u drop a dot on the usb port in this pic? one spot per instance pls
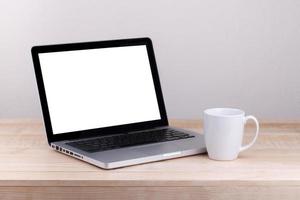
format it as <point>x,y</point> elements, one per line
<point>71,153</point>
<point>67,151</point>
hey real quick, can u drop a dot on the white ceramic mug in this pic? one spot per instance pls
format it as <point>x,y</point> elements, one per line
<point>223,132</point>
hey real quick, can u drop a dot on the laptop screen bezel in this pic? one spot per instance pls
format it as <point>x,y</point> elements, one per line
<point>106,130</point>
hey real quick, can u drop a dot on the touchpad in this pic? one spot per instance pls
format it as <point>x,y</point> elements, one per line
<point>158,149</point>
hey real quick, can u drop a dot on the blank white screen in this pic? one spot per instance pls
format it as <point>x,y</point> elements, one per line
<point>97,88</point>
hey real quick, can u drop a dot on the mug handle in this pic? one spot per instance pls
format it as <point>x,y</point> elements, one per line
<point>243,148</point>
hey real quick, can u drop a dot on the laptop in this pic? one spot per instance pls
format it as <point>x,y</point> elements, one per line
<point>102,103</point>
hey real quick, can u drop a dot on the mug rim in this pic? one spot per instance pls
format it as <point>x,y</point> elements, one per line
<point>224,112</point>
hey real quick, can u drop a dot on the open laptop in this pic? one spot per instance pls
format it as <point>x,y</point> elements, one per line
<point>102,103</point>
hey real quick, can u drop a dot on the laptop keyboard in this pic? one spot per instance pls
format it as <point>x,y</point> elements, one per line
<point>130,139</point>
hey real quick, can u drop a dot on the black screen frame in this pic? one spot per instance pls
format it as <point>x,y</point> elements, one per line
<point>106,130</point>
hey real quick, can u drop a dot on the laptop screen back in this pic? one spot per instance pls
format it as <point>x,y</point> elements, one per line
<point>97,88</point>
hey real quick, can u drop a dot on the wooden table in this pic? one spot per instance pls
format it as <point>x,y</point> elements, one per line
<point>29,169</point>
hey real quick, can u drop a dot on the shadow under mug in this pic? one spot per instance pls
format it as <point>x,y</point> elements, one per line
<point>223,132</point>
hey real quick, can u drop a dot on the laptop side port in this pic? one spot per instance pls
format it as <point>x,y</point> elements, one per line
<point>78,156</point>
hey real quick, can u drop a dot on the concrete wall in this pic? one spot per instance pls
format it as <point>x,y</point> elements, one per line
<point>210,53</point>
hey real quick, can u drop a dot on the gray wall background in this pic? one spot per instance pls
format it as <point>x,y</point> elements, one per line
<point>210,53</point>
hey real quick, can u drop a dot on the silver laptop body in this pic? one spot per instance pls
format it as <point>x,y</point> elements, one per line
<point>93,90</point>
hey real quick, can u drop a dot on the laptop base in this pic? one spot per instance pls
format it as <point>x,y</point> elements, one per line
<point>136,154</point>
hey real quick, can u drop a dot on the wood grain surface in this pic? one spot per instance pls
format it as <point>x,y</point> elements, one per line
<point>29,169</point>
